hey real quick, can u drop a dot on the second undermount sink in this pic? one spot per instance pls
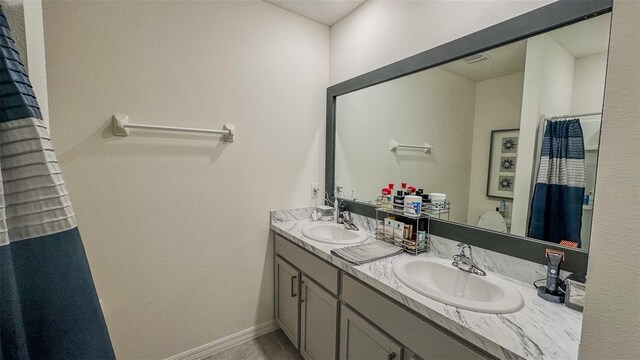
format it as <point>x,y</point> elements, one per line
<point>333,233</point>
<point>438,279</point>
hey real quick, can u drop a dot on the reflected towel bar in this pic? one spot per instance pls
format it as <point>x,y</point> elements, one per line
<point>393,145</point>
<point>121,127</point>
<point>569,116</point>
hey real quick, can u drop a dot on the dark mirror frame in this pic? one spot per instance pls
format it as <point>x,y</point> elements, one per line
<point>544,19</point>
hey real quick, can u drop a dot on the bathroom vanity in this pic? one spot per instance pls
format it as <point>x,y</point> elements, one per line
<point>314,298</point>
<point>331,309</point>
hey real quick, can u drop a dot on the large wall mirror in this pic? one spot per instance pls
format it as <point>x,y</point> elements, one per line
<point>509,134</point>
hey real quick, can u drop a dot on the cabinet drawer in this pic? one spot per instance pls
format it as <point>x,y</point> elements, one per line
<point>319,270</point>
<point>425,339</point>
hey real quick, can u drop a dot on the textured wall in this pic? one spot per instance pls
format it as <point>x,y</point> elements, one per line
<point>410,110</point>
<point>498,104</point>
<point>176,226</point>
<point>611,326</point>
<point>380,32</point>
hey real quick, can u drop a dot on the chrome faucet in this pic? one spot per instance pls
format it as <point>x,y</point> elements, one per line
<point>464,260</point>
<point>346,219</point>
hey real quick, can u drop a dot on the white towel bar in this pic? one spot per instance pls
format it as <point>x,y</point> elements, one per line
<point>121,127</point>
<point>393,145</point>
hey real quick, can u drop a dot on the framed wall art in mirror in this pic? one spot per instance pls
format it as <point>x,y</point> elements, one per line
<point>503,155</point>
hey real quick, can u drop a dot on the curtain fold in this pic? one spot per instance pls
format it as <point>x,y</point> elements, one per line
<point>556,207</point>
<point>49,308</point>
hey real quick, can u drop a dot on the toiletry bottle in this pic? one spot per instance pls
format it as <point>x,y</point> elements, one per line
<point>424,196</point>
<point>398,232</point>
<point>387,199</point>
<point>389,225</point>
<point>412,205</point>
<point>421,235</point>
<point>398,200</point>
<point>407,237</point>
<point>404,189</point>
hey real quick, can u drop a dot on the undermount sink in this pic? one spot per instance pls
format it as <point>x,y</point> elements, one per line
<point>438,279</point>
<point>333,233</point>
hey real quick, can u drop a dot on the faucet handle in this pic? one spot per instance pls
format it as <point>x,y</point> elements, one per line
<point>464,250</point>
<point>346,215</point>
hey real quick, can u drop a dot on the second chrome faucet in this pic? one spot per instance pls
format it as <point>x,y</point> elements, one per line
<point>346,219</point>
<point>464,260</point>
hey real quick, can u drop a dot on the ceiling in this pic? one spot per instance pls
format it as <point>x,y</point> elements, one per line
<point>502,61</point>
<point>327,12</point>
<point>586,37</point>
<point>580,39</point>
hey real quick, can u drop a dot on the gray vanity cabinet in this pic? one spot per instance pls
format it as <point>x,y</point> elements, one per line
<point>314,301</point>
<point>306,300</point>
<point>287,309</point>
<point>359,340</point>
<point>318,315</point>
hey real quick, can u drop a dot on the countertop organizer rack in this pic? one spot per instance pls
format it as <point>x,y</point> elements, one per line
<point>412,246</point>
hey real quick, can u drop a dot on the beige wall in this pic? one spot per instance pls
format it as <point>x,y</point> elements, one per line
<point>378,33</point>
<point>497,106</point>
<point>433,106</point>
<point>611,326</point>
<point>176,226</point>
<point>588,84</point>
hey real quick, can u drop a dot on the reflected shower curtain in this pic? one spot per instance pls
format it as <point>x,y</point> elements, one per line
<point>48,303</point>
<point>556,208</point>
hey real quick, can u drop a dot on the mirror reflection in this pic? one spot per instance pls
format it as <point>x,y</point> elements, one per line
<point>509,137</point>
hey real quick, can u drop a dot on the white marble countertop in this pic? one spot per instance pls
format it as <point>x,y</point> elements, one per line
<point>540,330</point>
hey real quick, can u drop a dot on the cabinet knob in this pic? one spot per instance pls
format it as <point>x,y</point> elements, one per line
<point>392,356</point>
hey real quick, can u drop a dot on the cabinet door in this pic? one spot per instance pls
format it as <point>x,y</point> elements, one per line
<point>287,306</point>
<point>359,340</point>
<point>318,324</point>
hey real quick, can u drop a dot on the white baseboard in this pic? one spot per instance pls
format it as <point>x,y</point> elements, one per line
<point>226,342</point>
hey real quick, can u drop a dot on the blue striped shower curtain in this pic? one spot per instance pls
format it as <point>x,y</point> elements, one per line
<point>556,208</point>
<point>49,308</point>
